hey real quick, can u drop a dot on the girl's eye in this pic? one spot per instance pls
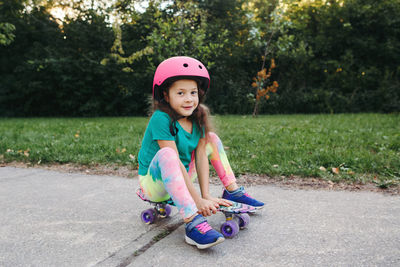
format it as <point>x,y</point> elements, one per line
<point>180,93</point>
<point>194,93</point>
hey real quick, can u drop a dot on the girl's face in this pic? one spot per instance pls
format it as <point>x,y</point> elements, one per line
<point>183,97</point>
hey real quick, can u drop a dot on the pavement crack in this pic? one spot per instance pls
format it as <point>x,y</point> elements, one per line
<point>127,254</point>
<point>168,229</point>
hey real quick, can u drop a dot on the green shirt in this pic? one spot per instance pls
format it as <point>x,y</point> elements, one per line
<point>159,129</point>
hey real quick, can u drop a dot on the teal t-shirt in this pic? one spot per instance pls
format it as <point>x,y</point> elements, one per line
<point>159,129</point>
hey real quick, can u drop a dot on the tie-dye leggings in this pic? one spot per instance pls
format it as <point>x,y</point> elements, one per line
<point>164,178</point>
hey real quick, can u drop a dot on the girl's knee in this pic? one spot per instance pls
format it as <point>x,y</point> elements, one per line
<point>167,153</point>
<point>214,140</point>
<point>213,137</point>
<point>167,158</point>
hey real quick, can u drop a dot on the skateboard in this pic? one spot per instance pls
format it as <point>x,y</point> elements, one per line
<point>236,216</point>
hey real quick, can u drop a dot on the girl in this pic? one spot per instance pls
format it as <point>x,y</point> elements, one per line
<point>178,141</point>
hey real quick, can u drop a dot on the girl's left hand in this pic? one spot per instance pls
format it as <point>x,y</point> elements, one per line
<point>220,201</point>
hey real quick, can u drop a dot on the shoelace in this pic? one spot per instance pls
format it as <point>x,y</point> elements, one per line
<point>203,227</point>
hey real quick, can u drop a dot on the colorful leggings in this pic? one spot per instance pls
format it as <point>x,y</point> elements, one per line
<point>164,178</point>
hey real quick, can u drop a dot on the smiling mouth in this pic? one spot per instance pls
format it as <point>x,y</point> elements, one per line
<point>187,107</point>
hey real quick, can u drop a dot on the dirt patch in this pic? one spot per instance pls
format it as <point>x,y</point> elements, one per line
<point>293,182</point>
<point>310,183</point>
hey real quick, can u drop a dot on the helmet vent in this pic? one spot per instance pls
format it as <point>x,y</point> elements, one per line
<point>185,65</point>
<point>200,67</point>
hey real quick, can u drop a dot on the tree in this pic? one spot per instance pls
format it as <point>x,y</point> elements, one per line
<point>264,86</point>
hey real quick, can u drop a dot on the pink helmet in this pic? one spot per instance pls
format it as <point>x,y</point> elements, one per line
<point>179,67</point>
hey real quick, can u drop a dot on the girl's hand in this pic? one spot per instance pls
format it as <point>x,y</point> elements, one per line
<point>206,207</point>
<point>219,201</point>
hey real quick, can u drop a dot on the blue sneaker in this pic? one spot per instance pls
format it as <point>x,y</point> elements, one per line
<point>200,233</point>
<point>241,196</point>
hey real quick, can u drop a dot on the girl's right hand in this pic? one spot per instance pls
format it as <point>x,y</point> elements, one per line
<point>206,207</point>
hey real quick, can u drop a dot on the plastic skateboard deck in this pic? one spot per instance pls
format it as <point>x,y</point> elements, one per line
<point>140,194</point>
<point>236,215</point>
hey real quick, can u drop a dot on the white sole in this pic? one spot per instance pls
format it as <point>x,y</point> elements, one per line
<point>203,246</point>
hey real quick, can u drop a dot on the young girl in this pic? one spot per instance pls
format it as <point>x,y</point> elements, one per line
<point>177,142</point>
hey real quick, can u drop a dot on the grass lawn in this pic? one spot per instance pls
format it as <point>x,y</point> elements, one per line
<point>343,147</point>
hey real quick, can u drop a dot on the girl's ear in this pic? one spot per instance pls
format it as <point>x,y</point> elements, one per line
<point>166,96</point>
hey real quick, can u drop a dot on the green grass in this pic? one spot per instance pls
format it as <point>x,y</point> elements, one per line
<point>365,147</point>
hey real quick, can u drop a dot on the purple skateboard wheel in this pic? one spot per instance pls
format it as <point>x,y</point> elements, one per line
<point>244,220</point>
<point>166,212</point>
<point>148,216</point>
<point>230,228</point>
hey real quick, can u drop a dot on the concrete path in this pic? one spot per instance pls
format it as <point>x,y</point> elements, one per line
<point>58,219</point>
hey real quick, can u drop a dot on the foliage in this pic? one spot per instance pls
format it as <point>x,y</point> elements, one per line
<point>6,33</point>
<point>339,56</point>
<point>331,55</point>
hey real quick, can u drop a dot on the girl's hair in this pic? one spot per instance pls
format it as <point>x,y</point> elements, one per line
<point>200,115</point>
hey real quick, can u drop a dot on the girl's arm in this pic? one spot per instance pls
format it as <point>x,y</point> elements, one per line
<point>202,167</point>
<point>203,173</point>
<point>204,206</point>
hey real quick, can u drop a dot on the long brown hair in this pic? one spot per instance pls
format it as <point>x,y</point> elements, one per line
<point>200,115</point>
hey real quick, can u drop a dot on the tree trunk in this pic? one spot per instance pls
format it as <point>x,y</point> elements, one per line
<point>255,111</point>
